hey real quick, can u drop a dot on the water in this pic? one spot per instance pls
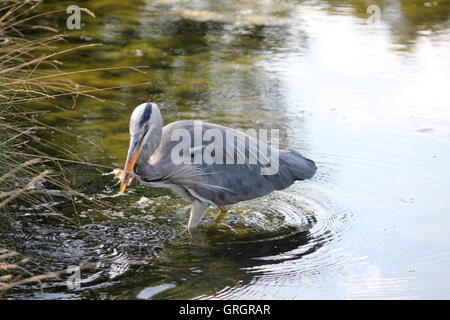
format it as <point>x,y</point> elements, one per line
<point>369,103</point>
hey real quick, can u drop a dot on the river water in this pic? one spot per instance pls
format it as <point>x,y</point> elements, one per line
<point>368,102</point>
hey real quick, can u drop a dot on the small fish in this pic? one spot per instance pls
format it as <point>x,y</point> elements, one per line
<point>119,174</point>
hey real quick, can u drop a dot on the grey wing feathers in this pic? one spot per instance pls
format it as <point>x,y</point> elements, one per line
<point>300,167</point>
<point>229,183</point>
<point>244,182</point>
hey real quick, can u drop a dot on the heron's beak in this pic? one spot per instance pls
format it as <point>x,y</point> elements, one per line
<point>133,153</point>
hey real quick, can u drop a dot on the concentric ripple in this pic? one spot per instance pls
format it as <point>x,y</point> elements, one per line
<point>278,238</point>
<point>308,251</point>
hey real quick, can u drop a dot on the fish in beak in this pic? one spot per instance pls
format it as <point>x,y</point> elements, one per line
<point>133,154</point>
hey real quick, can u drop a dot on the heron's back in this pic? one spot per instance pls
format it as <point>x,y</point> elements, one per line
<point>245,182</point>
<point>226,183</point>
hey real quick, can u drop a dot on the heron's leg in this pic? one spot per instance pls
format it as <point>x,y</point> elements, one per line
<point>223,210</point>
<point>197,212</point>
<point>184,231</point>
<point>222,213</point>
<point>220,216</point>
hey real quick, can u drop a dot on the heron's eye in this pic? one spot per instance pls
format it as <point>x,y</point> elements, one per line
<point>144,132</point>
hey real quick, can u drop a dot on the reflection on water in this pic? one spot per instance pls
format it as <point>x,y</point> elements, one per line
<point>369,103</point>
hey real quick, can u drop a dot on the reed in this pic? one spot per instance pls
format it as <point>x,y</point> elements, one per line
<point>30,77</point>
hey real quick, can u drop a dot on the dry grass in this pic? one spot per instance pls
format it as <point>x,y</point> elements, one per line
<point>30,74</point>
<point>29,71</point>
<point>14,273</point>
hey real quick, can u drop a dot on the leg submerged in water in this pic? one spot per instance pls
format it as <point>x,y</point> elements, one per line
<point>197,212</point>
<point>221,215</point>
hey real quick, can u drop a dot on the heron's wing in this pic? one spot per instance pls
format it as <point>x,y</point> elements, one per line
<point>245,182</point>
<point>224,182</point>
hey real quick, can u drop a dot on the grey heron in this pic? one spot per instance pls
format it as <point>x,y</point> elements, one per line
<point>233,176</point>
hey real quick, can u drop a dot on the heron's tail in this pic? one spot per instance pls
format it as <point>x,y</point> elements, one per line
<point>301,167</point>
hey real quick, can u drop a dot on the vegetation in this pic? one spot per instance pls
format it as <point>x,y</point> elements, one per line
<point>32,167</point>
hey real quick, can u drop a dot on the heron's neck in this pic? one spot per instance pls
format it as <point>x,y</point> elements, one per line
<point>149,147</point>
<point>152,142</point>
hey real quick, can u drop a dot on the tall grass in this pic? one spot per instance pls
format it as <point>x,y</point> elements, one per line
<point>29,73</point>
<point>30,77</point>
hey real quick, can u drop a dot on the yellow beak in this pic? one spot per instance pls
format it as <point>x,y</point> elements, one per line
<point>133,154</point>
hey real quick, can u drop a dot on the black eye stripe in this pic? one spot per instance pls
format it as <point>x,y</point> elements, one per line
<point>146,115</point>
<point>145,131</point>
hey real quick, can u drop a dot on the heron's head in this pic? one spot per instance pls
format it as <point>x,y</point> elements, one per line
<point>143,120</point>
